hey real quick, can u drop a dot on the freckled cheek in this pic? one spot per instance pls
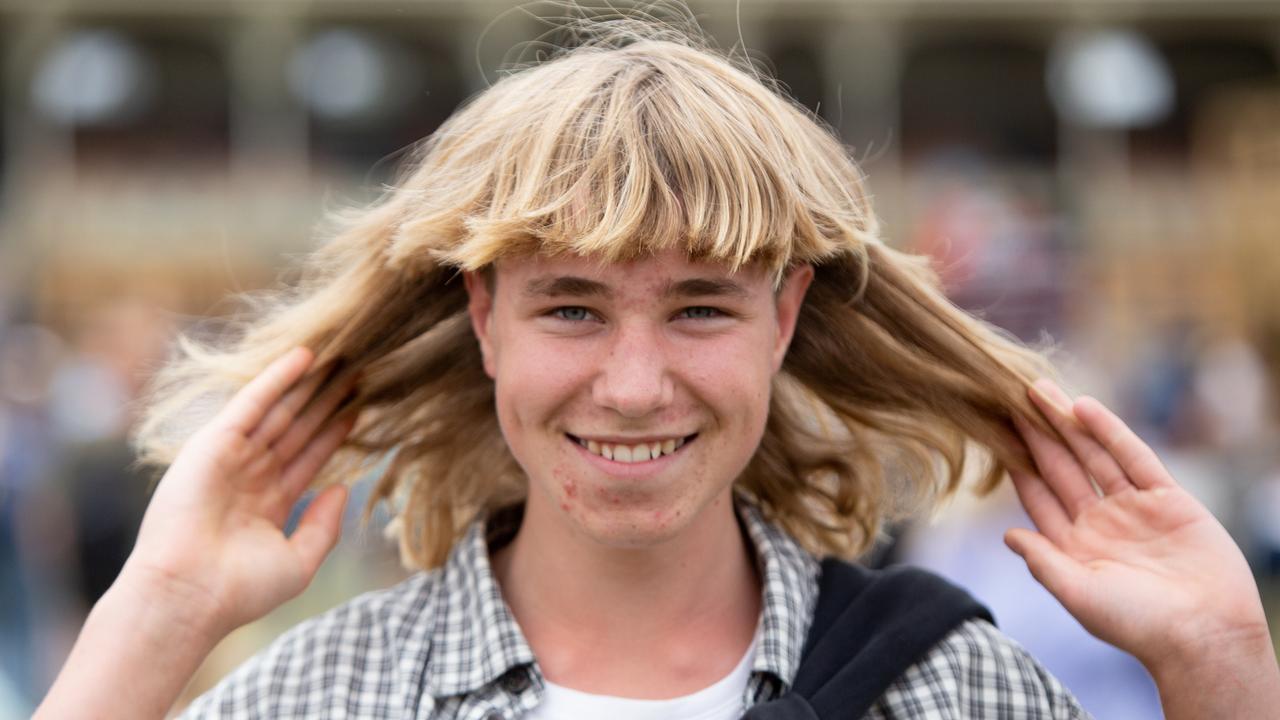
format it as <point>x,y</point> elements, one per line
<point>534,388</point>
<point>533,383</point>
<point>732,380</point>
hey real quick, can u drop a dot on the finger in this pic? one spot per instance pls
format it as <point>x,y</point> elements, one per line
<point>299,473</point>
<point>1042,506</point>
<point>1138,460</point>
<point>319,528</point>
<point>248,406</point>
<point>281,415</point>
<point>1060,470</point>
<point>1056,406</point>
<point>1061,575</point>
<point>313,417</point>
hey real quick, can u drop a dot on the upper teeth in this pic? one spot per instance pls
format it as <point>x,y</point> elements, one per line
<point>633,453</point>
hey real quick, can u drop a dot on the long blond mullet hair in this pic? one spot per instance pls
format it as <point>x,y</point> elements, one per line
<point>627,144</point>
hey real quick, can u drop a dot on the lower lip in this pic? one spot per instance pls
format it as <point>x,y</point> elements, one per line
<point>629,470</point>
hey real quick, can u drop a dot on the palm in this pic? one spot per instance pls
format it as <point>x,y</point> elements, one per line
<point>1144,565</point>
<point>215,524</point>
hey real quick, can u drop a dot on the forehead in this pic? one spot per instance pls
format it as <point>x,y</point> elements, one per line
<point>663,272</point>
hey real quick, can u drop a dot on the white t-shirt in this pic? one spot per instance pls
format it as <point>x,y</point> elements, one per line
<point>719,701</point>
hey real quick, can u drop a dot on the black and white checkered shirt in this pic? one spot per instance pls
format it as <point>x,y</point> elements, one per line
<point>444,644</point>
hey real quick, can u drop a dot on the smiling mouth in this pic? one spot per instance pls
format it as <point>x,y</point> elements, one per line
<point>639,452</point>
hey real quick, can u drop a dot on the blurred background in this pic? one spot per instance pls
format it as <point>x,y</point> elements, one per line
<point>1102,174</point>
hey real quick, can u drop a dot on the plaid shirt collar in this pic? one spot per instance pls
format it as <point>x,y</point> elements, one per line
<point>476,642</point>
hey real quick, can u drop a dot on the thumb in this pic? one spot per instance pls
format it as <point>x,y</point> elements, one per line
<point>318,530</point>
<point>1061,575</point>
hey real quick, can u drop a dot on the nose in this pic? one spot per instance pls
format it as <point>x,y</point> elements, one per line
<point>635,378</point>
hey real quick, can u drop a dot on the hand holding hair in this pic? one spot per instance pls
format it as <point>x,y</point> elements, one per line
<point>1141,563</point>
<point>211,553</point>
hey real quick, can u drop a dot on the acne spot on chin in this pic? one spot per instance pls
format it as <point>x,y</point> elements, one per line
<point>607,497</point>
<point>570,488</point>
<point>661,522</point>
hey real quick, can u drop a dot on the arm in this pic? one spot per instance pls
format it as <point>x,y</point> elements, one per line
<point>1142,564</point>
<point>211,553</point>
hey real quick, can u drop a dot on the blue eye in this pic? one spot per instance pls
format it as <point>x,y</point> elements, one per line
<point>572,314</point>
<point>700,312</point>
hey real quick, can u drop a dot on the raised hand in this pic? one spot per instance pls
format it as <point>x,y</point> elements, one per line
<point>214,528</point>
<point>1139,561</point>
<point>211,553</point>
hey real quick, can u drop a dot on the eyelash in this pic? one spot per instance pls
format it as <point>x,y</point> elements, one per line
<point>558,313</point>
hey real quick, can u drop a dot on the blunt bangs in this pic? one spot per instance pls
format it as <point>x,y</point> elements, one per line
<point>618,152</point>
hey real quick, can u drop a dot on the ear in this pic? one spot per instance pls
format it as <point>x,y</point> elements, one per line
<point>480,308</point>
<point>790,298</point>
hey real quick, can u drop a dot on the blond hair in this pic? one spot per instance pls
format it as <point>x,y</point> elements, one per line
<point>621,147</point>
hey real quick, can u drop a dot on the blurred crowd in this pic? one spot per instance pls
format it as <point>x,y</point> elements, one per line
<point>155,163</point>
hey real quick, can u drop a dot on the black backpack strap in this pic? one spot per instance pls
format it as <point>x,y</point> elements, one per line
<point>868,628</point>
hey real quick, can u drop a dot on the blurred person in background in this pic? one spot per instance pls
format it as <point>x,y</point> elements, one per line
<point>1162,391</point>
<point>71,498</point>
<point>28,353</point>
<point>1263,503</point>
<point>92,399</point>
<point>403,348</point>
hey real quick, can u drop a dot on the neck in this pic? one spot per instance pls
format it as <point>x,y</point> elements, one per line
<point>652,622</point>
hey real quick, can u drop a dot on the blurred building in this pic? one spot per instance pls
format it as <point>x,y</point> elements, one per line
<point>192,142</point>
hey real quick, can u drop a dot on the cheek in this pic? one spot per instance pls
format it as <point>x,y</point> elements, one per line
<point>531,382</point>
<point>532,387</point>
<point>733,378</point>
<point>732,381</point>
<point>535,385</point>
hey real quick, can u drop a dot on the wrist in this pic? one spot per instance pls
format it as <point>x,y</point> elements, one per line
<point>168,607</point>
<point>1232,675</point>
<point>1226,648</point>
<point>142,642</point>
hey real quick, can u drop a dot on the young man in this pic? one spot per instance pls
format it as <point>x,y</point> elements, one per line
<point>642,360</point>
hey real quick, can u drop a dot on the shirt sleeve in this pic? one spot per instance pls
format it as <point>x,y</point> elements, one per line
<point>337,665</point>
<point>977,673</point>
<point>310,671</point>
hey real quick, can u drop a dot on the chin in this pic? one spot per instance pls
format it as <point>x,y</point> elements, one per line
<point>632,522</point>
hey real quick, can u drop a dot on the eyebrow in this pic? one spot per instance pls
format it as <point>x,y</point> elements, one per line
<point>574,286</point>
<point>705,287</point>
<point>566,285</point>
